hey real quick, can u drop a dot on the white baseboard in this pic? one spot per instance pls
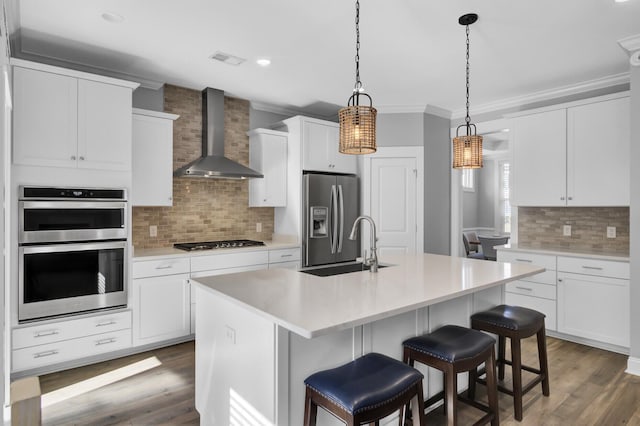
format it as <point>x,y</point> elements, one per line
<point>633,366</point>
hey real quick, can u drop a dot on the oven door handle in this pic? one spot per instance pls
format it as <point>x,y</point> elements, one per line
<point>57,248</point>
<point>24,205</point>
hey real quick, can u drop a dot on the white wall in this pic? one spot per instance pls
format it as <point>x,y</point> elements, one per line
<point>401,129</point>
<point>635,220</point>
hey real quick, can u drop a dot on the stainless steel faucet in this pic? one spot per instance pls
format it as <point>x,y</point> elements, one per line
<point>372,261</point>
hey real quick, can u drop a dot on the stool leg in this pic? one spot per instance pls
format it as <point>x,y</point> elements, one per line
<point>406,358</point>
<point>542,357</point>
<point>516,364</point>
<point>473,376</point>
<point>451,395</point>
<point>501,354</point>
<point>310,410</point>
<point>492,387</point>
<point>417,407</point>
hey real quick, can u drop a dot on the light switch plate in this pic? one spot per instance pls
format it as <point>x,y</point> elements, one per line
<point>566,230</point>
<point>611,231</point>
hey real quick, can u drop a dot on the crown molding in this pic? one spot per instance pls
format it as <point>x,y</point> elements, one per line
<point>276,109</point>
<point>630,44</point>
<point>586,86</point>
<point>399,109</point>
<point>438,112</point>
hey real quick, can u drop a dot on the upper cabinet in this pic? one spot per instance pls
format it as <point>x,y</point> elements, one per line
<point>65,118</point>
<point>573,155</point>
<point>152,172</point>
<point>320,141</point>
<point>268,155</point>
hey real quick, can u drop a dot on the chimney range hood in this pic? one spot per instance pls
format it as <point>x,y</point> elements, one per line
<point>213,163</point>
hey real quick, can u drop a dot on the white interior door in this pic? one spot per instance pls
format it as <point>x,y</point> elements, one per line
<point>393,203</point>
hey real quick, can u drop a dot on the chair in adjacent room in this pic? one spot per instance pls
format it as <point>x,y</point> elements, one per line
<point>364,390</point>
<point>488,244</point>
<point>468,251</point>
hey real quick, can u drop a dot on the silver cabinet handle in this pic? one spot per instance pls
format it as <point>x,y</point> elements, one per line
<point>105,341</point>
<point>524,260</point>
<point>164,267</point>
<point>44,354</point>
<point>562,198</point>
<point>286,255</point>
<point>73,157</point>
<point>81,158</point>
<point>104,324</point>
<point>570,198</point>
<point>595,268</point>
<point>559,280</point>
<point>46,333</point>
<point>524,288</point>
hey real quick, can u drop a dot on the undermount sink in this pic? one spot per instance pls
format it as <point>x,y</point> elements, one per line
<point>328,271</point>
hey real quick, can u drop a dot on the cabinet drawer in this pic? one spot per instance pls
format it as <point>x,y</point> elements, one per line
<point>544,291</point>
<point>53,353</point>
<point>229,260</point>
<point>543,260</point>
<point>295,265</point>
<point>602,268</point>
<point>155,268</point>
<point>546,306</point>
<point>284,255</point>
<point>70,329</point>
<point>546,277</point>
<point>223,272</point>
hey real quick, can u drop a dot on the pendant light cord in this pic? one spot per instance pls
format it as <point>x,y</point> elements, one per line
<point>467,118</point>
<point>358,85</point>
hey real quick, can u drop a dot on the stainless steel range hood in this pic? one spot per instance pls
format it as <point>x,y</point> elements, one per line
<point>213,163</point>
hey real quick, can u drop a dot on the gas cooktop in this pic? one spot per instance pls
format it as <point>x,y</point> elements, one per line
<point>210,245</point>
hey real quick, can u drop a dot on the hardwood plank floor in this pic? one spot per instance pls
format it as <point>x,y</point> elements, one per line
<point>588,387</point>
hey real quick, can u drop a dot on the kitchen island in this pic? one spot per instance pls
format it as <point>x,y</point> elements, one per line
<point>260,333</point>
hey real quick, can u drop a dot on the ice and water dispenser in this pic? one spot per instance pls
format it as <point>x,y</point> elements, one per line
<point>319,222</point>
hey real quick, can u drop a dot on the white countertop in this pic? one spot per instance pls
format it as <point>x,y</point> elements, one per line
<point>169,252</point>
<point>312,306</point>
<point>559,251</point>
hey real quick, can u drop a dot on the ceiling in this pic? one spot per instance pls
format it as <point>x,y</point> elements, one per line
<point>412,51</point>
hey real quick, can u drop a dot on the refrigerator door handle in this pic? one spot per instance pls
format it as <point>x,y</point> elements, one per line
<point>341,231</point>
<point>333,207</point>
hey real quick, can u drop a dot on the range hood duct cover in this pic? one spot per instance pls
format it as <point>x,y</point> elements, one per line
<point>213,163</point>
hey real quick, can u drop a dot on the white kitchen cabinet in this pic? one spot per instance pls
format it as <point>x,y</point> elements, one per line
<point>161,300</point>
<point>288,258</point>
<point>65,118</point>
<point>320,143</point>
<point>268,155</point>
<point>152,158</point>
<point>562,154</point>
<point>592,305</point>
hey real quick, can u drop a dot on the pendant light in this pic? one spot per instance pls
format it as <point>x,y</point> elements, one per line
<point>467,149</point>
<point>357,122</point>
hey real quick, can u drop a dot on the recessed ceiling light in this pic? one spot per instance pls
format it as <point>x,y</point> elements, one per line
<point>263,62</point>
<point>112,17</point>
<point>621,1</point>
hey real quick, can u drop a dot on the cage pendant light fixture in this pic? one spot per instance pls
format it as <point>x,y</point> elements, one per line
<point>467,149</point>
<point>358,122</point>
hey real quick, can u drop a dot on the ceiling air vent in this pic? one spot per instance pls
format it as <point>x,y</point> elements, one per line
<point>227,58</point>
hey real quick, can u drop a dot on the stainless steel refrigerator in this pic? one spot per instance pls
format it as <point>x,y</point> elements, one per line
<point>330,206</point>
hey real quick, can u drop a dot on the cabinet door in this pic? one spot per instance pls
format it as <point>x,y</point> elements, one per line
<point>45,112</point>
<point>152,161</point>
<point>162,308</point>
<point>593,307</point>
<point>268,155</point>
<point>104,126</point>
<point>539,157</point>
<point>598,154</point>
<point>315,149</point>
<point>343,163</point>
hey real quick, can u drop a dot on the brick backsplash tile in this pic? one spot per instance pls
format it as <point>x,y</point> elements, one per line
<point>203,209</point>
<point>541,227</point>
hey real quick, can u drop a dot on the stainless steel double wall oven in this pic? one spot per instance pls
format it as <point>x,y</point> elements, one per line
<point>72,251</point>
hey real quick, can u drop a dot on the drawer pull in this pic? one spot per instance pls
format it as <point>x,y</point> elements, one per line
<point>286,255</point>
<point>524,260</point>
<point>164,267</point>
<point>46,333</point>
<point>104,324</point>
<point>105,341</point>
<point>45,354</point>
<point>524,288</point>
<point>595,268</point>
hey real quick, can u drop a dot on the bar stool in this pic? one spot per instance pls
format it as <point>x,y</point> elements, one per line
<point>452,350</point>
<point>516,323</point>
<point>364,390</point>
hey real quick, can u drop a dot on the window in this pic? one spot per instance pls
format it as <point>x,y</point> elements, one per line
<point>467,180</point>
<point>504,205</point>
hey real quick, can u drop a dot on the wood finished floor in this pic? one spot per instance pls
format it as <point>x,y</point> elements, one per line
<point>588,387</point>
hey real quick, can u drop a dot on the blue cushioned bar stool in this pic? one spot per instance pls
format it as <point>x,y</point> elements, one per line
<point>364,390</point>
<point>516,323</point>
<point>452,350</point>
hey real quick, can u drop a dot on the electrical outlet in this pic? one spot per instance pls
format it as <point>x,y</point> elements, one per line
<point>611,231</point>
<point>258,227</point>
<point>230,333</point>
<point>566,230</point>
<point>153,231</point>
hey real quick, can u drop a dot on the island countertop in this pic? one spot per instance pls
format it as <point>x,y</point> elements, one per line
<point>311,306</point>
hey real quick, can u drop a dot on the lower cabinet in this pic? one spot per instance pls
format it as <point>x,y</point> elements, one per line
<point>288,258</point>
